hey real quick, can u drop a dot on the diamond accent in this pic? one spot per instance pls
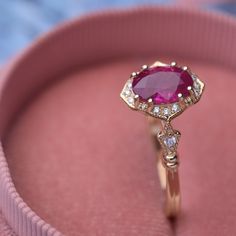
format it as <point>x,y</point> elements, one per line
<point>156,111</point>
<point>127,92</point>
<point>169,139</point>
<point>194,77</point>
<point>170,142</point>
<point>130,100</point>
<point>175,108</point>
<point>197,88</point>
<point>143,106</point>
<point>129,85</point>
<point>166,111</point>
<point>197,85</point>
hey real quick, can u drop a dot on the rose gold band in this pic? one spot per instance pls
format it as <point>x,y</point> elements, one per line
<point>167,165</point>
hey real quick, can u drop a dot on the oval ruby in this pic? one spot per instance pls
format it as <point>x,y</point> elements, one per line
<point>162,84</point>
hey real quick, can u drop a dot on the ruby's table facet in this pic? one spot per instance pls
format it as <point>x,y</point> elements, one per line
<point>162,84</point>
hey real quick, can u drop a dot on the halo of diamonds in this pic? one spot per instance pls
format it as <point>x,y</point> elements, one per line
<point>162,111</point>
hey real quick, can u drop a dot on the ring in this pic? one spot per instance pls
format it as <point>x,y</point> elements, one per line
<point>163,92</point>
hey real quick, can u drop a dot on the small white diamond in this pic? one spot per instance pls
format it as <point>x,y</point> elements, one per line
<point>127,92</point>
<point>166,111</point>
<point>175,107</point>
<point>197,88</point>
<point>197,93</point>
<point>170,141</point>
<point>129,85</point>
<point>130,100</point>
<point>156,111</point>
<point>143,106</point>
<point>194,77</point>
<point>196,85</point>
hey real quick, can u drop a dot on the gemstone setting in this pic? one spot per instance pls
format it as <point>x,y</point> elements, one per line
<point>175,107</point>
<point>156,111</point>
<point>170,141</point>
<point>162,84</point>
<point>182,86</point>
<point>166,111</point>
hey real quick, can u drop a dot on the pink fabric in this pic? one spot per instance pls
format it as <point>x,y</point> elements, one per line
<point>85,163</point>
<point>5,229</point>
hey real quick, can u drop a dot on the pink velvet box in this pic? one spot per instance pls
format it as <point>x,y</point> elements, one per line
<point>76,161</point>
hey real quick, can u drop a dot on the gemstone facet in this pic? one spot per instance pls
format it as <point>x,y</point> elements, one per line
<point>175,107</point>
<point>143,106</point>
<point>131,100</point>
<point>162,84</point>
<point>166,111</point>
<point>170,141</point>
<point>155,111</point>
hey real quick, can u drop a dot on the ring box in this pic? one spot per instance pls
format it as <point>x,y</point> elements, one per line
<point>76,161</point>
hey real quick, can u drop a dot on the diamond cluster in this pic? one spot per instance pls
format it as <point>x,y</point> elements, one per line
<point>128,94</point>
<point>165,111</point>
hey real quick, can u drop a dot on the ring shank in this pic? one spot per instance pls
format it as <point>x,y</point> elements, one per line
<point>169,177</point>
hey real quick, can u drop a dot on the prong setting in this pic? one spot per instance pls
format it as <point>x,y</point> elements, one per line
<point>144,67</point>
<point>133,74</point>
<point>162,111</point>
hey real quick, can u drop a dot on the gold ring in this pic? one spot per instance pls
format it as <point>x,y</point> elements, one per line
<point>163,92</point>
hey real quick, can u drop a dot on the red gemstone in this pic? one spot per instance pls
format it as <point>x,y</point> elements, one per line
<point>162,84</point>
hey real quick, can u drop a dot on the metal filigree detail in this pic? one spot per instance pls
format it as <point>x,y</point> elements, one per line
<point>169,139</point>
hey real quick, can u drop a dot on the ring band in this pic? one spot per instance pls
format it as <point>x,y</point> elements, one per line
<point>163,92</point>
<point>167,167</point>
